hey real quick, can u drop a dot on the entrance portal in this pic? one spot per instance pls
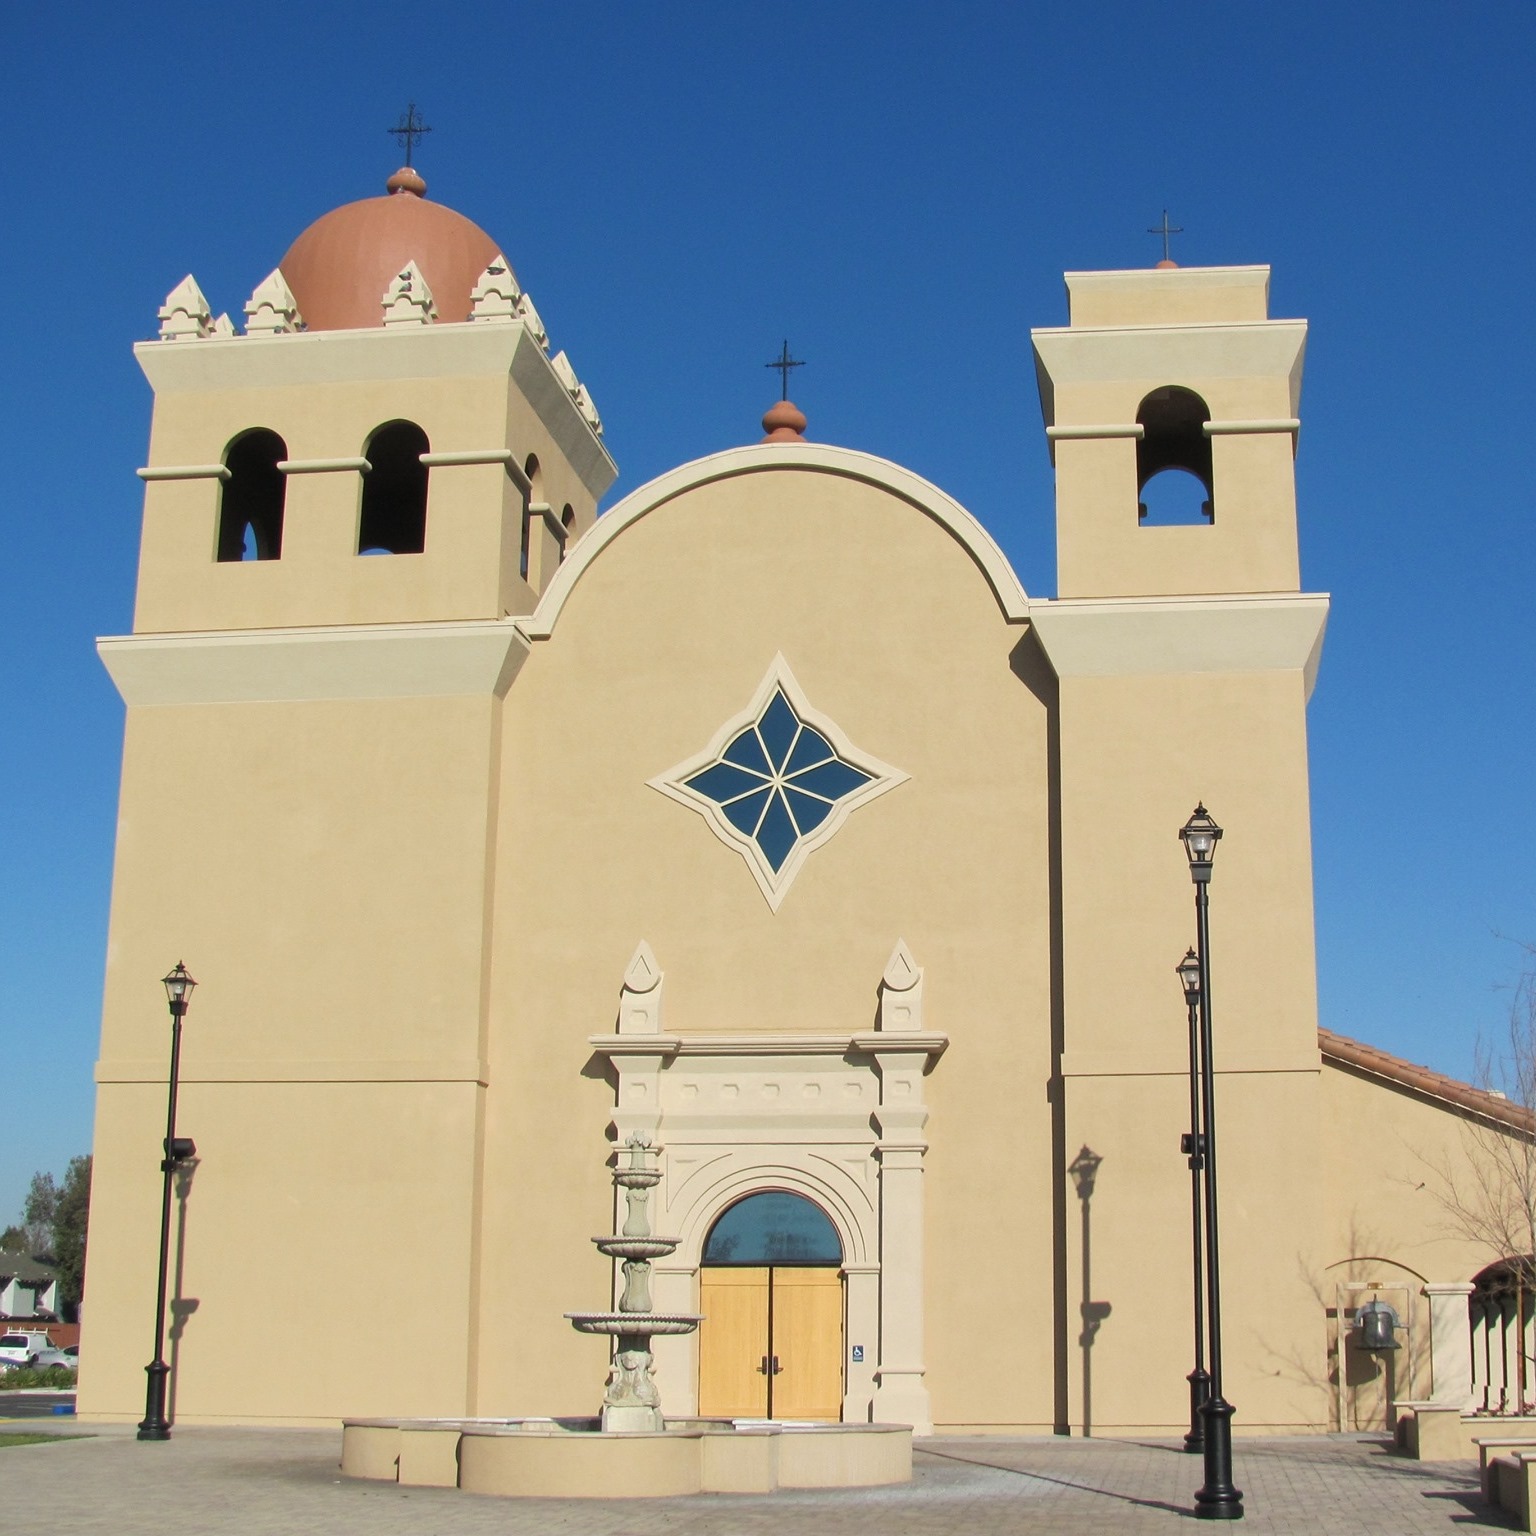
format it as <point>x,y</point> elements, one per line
<point>771,1291</point>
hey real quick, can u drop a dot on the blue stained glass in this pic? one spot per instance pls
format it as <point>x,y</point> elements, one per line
<point>777,834</point>
<point>777,782</point>
<point>774,1227</point>
<point>724,781</point>
<point>831,780</point>
<point>747,752</point>
<point>812,748</point>
<point>808,813</point>
<point>744,814</point>
<point>777,728</point>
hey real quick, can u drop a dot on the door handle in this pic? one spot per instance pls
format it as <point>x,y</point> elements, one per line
<point>777,1368</point>
<point>762,1370</point>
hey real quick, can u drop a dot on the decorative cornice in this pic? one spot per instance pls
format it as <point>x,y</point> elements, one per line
<point>868,1042</point>
<point>1127,636</point>
<point>363,661</point>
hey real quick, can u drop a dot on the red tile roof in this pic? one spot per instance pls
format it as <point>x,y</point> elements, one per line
<point>1343,1051</point>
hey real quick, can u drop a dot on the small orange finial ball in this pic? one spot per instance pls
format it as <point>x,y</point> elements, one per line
<point>784,422</point>
<point>407,179</point>
<point>1166,266</point>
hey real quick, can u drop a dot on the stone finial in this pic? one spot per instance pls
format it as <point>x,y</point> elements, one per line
<point>408,299</point>
<point>185,314</point>
<point>565,373</point>
<point>272,309</point>
<point>589,410</point>
<point>530,317</point>
<point>901,991</point>
<point>495,296</point>
<point>784,423</point>
<point>640,996</point>
<point>407,179</point>
<point>222,328</point>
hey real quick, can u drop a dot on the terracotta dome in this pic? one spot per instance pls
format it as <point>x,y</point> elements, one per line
<point>340,266</point>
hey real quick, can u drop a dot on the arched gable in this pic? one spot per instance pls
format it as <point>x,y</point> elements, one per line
<point>820,458</point>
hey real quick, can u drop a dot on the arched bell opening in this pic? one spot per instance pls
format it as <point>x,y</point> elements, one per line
<point>1173,460</point>
<point>252,498</point>
<point>771,1291</point>
<point>392,519</point>
<point>535,477</point>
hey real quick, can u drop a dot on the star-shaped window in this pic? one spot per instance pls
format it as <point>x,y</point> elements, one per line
<point>777,781</point>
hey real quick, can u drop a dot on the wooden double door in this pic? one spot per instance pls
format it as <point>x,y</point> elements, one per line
<point>771,1344</point>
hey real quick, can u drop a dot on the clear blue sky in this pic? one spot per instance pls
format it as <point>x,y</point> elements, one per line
<point>897,189</point>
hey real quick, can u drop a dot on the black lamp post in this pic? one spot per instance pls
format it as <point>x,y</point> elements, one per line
<point>1217,1499</point>
<point>178,990</point>
<point>1194,1148</point>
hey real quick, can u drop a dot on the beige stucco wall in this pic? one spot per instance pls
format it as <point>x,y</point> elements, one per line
<point>322,868</point>
<point>1136,754</point>
<point>1401,1215</point>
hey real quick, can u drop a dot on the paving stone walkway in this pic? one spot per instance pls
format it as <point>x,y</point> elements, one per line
<point>284,1482</point>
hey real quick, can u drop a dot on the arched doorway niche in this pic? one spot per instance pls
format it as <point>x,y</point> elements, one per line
<point>701,1191</point>
<point>771,1292</point>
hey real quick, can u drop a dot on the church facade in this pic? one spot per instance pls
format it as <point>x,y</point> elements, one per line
<point>765,817</point>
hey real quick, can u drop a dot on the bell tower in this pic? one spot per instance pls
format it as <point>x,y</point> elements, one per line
<point>1173,372</point>
<point>392,396</point>
<point>348,506</point>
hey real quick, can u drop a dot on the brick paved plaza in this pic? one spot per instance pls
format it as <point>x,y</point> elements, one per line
<point>266,1482</point>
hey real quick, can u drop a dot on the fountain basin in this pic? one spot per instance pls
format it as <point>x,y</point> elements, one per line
<point>635,1324</point>
<point>570,1458</point>
<point>636,1247</point>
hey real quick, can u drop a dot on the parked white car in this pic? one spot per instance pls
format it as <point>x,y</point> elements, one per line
<point>19,1348</point>
<point>48,1356</point>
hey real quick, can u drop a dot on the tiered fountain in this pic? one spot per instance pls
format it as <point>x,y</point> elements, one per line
<point>630,1451</point>
<point>632,1401</point>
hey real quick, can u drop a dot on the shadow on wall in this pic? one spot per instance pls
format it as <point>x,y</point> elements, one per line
<point>1084,1169</point>
<point>1028,664</point>
<point>181,1306</point>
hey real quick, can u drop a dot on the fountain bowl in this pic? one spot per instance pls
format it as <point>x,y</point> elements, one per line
<point>636,1247</point>
<point>631,1324</point>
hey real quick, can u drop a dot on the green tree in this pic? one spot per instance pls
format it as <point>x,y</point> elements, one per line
<point>37,1215</point>
<point>71,1214</point>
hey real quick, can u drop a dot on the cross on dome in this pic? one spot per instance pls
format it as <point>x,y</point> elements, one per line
<point>409,131</point>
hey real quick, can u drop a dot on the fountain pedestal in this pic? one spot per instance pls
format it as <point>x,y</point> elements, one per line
<point>631,1402</point>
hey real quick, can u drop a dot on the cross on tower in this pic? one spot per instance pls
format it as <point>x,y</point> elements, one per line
<point>1164,229</point>
<point>784,362</point>
<point>410,130</point>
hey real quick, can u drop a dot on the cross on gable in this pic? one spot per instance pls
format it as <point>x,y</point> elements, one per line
<point>1164,229</point>
<point>784,362</point>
